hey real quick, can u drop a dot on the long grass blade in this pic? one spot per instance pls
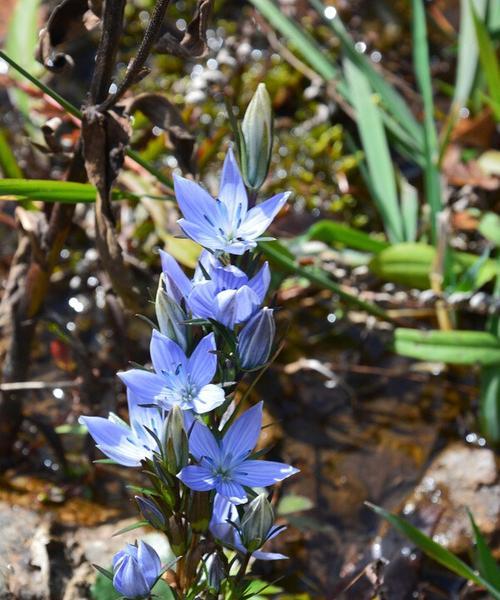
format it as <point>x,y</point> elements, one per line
<point>435,551</point>
<point>392,100</point>
<point>431,148</point>
<point>489,61</point>
<point>376,149</point>
<point>467,51</point>
<point>485,562</point>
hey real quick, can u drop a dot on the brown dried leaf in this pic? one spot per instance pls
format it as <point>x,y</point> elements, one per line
<point>194,42</point>
<point>163,114</point>
<point>461,173</point>
<point>105,138</point>
<point>69,20</point>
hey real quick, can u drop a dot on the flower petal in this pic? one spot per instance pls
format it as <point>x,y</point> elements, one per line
<point>201,300</point>
<point>235,307</point>
<point>228,278</point>
<point>202,363</point>
<point>195,203</point>
<point>142,417</point>
<point>202,443</point>
<point>128,579</point>
<point>166,355</point>
<point>205,235</point>
<point>260,282</point>
<point>197,478</point>
<point>115,441</point>
<point>149,562</point>
<point>177,283</point>
<point>232,190</point>
<point>145,384</point>
<point>209,397</point>
<point>260,217</point>
<point>243,434</point>
<point>261,473</point>
<point>233,491</point>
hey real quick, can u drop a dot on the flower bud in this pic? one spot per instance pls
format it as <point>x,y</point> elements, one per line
<point>256,339</point>
<point>176,537</point>
<point>257,523</point>
<point>200,511</point>
<point>257,138</point>
<point>216,573</point>
<point>151,512</point>
<point>170,316</point>
<point>176,441</point>
<point>136,569</point>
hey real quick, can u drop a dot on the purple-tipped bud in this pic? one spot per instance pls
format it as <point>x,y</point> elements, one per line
<point>151,512</point>
<point>256,339</point>
<point>136,569</point>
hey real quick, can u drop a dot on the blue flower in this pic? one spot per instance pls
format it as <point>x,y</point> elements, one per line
<point>224,526</point>
<point>135,570</point>
<point>224,224</point>
<point>178,380</point>
<point>224,465</point>
<point>127,445</point>
<point>229,296</point>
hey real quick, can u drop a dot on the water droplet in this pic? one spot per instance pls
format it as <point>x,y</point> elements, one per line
<point>330,12</point>
<point>58,393</point>
<point>360,47</point>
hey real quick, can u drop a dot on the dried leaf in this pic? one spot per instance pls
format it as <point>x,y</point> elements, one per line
<point>194,42</point>
<point>105,138</point>
<point>69,20</point>
<point>163,114</point>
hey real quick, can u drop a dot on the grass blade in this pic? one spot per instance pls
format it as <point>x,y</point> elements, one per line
<point>332,232</point>
<point>8,162</point>
<point>392,100</point>
<point>431,148</point>
<point>280,256</point>
<point>485,563</point>
<point>489,61</point>
<point>467,51</point>
<point>66,192</point>
<point>376,149</point>
<point>20,44</point>
<point>435,551</point>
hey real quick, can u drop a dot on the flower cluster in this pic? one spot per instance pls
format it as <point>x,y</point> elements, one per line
<point>184,426</point>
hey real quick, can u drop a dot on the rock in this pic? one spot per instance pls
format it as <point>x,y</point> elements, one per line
<point>460,477</point>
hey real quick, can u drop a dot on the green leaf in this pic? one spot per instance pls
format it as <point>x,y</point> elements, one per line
<point>71,429</point>
<point>103,589</point>
<point>20,44</point>
<point>489,226</point>
<point>136,525</point>
<point>435,551</point>
<point>467,51</point>
<point>411,263</point>
<point>489,61</point>
<point>8,162</point>
<point>484,561</point>
<point>394,103</point>
<point>489,413</point>
<point>332,233</point>
<point>66,192</point>
<point>453,347</point>
<point>431,147</point>
<point>376,149</point>
<point>292,503</point>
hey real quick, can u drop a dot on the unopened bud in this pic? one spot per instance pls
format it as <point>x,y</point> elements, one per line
<point>256,339</point>
<point>176,441</point>
<point>151,512</point>
<point>257,523</point>
<point>257,138</point>
<point>176,537</point>
<point>216,573</point>
<point>170,316</point>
